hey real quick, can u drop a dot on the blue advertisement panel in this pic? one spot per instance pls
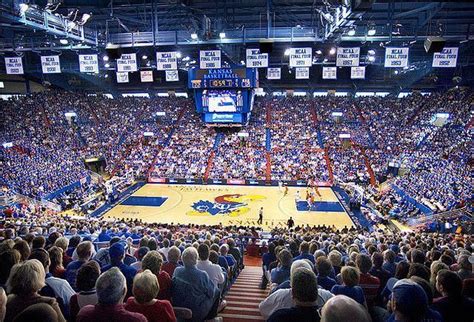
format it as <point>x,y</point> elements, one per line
<point>223,117</point>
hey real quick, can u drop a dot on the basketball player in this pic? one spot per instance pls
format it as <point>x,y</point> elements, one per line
<point>286,190</point>
<point>297,196</point>
<point>311,200</point>
<point>280,186</point>
<point>316,190</point>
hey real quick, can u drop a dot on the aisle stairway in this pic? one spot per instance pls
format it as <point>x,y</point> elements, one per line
<point>244,296</point>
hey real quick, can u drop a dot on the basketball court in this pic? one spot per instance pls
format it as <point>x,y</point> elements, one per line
<point>230,205</point>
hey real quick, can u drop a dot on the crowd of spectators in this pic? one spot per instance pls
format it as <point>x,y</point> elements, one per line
<point>74,269</point>
<point>299,134</point>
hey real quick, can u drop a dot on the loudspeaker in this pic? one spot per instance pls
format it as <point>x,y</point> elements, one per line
<point>266,47</point>
<point>434,44</point>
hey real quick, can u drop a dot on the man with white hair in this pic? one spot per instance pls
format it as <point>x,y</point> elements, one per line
<point>193,289</point>
<point>343,308</point>
<point>282,298</point>
<point>111,288</point>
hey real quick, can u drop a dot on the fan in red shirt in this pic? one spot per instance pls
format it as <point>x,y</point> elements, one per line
<point>145,290</point>
<point>369,284</point>
<point>153,261</point>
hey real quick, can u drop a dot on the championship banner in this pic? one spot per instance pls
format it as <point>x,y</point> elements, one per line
<point>358,72</point>
<point>329,72</point>
<point>50,64</point>
<point>146,76</point>
<point>88,64</point>
<point>166,60</point>
<point>301,57</point>
<point>396,57</point>
<point>209,59</point>
<point>172,76</point>
<point>448,57</point>
<point>122,77</point>
<point>256,59</point>
<point>127,63</point>
<point>347,57</point>
<point>302,73</point>
<point>274,73</point>
<point>14,65</point>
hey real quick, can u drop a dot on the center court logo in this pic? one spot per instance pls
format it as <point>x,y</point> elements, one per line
<point>232,205</point>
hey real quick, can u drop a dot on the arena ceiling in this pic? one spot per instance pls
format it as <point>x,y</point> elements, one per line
<point>145,26</point>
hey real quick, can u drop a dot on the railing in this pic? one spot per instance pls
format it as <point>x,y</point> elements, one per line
<point>278,34</point>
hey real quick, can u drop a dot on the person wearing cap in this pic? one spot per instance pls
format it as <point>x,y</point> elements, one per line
<point>117,254</point>
<point>453,306</point>
<point>409,302</point>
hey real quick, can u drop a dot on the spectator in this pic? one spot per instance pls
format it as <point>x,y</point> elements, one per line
<point>87,277</point>
<point>369,284</point>
<point>214,271</point>
<point>323,265</point>
<point>304,290</point>
<point>409,302</point>
<point>84,253</point>
<point>117,255</point>
<point>55,287</point>
<point>304,252</point>
<point>145,291</point>
<point>111,289</point>
<point>193,289</point>
<point>282,298</point>
<point>142,251</point>
<point>174,255</point>
<point>465,267</point>
<point>452,305</point>
<point>342,308</point>
<point>56,268</point>
<point>3,304</point>
<point>282,272</point>
<point>350,279</point>
<point>24,283</point>
<point>7,260</point>
<point>153,261</point>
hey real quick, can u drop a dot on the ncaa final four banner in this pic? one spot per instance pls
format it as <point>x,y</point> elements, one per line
<point>88,64</point>
<point>448,57</point>
<point>127,63</point>
<point>358,72</point>
<point>50,64</point>
<point>14,65</point>
<point>302,73</point>
<point>347,57</point>
<point>274,73</point>
<point>396,57</point>
<point>166,60</point>
<point>209,59</point>
<point>301,57</point>
<point>255,59</point>
<point>329,72</point>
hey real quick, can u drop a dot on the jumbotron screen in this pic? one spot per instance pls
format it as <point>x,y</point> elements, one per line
<point>222,101</point>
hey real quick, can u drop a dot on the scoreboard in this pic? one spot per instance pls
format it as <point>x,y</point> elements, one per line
<point>223,95</point>
<point>223,78</point>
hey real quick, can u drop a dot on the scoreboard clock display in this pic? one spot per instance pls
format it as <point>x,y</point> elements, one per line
<point>220,83</point>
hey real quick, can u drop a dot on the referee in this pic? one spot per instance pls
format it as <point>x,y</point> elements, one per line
<point>260,216</point>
